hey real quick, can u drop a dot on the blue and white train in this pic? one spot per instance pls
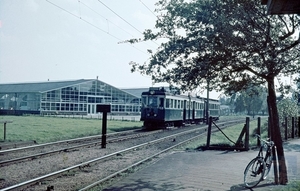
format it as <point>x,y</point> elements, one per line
<point>162,109</point>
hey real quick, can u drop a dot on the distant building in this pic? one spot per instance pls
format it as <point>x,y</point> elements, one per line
<point>67,97</point>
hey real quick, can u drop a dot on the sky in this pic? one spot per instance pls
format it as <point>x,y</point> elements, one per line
<point>58,40</point>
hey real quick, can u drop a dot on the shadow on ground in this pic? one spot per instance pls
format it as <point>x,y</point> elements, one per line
<point>260,187</point>
<point>291,147</point>
<point>147,185</point>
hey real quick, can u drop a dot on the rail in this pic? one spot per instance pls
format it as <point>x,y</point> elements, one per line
<point>81,165</point>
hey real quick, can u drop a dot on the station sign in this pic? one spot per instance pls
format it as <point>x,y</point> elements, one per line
<point>103,108</point>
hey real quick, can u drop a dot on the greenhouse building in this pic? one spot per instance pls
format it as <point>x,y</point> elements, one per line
<point>67,97</point>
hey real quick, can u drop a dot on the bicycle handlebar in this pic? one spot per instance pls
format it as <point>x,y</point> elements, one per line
<point>268,142</point>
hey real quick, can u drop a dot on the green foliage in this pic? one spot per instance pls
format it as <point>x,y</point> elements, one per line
<point>293,186</point>
<point>252,100</point>
<point>47,129</point>
<point>287,108</point>
<point>232,43</point>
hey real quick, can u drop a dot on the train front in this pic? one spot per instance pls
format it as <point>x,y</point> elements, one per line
<point>152,111</point>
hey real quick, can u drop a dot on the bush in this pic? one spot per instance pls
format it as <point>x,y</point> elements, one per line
<point>287,108</point>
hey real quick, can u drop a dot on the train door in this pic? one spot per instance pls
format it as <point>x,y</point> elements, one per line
<point>206,110</point>
<point>184,110</point>
<point>188,110</point>
<point>193,110</point>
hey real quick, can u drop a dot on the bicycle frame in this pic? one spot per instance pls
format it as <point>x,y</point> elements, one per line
<point>268,145</point>
<point>259,167</point>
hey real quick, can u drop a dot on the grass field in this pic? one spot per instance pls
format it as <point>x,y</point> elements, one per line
<point>233,132</point>
<point>47,129</point>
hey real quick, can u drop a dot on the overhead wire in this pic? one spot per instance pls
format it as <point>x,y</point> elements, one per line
<point>79,17</point>
<point>105,18</point>
<point>123,19</point>
<point>148,8</point>
<point>120,16</point>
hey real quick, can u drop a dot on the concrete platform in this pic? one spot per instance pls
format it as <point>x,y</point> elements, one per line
<point>205,170</point>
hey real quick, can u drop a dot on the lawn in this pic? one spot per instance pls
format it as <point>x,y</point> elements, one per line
<point>47,129</point>
<point>233,132</point>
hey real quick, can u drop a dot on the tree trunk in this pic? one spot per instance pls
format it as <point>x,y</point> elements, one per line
<point>275,133</point>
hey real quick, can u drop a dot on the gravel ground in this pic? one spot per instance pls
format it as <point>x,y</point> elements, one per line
<point>20,172</point>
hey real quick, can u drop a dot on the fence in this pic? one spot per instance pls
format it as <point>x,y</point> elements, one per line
<point>99,116</point>
<point>291,127</point>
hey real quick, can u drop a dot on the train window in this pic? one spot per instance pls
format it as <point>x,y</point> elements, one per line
<point>178,106</point>
<point>171,105</point>
<point>181,104</point>
<point>175,103</point>
<point>152,101</point>
<point>161,102</point>
<point>167,103</point>
<point>144,101</point>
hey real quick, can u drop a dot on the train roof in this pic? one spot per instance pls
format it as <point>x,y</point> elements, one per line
<point>167,92</point>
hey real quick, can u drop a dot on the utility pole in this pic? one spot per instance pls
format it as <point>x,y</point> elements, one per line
<point>207,103</point>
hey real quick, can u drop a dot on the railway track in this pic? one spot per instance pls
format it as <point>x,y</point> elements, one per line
<point>63,146</point>
<point>153,147</point>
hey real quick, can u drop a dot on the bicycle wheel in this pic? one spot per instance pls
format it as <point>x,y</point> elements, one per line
<point>254,172</point>
<point>268,166</point>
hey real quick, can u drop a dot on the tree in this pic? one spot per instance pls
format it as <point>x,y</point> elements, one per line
<point>251,100</point>
<point>239,105</point>
<point>230,44</point>
<point>287,108</point>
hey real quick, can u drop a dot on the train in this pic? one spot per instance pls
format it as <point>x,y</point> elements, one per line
<point>163,109</point>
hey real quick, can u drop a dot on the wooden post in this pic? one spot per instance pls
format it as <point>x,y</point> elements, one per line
<point>239,142</point>
<point>286,128</point>
<point>298,127</point>
<point>4,128</point>
<point>247,134</point>
<point>208,132</point>
<point>103,108</point>
<point>293,127</point>
<point>269,128</point>
<point>258,130</point>
<point>104,129</point>
<point>4,131</point>
<point>275,165</point>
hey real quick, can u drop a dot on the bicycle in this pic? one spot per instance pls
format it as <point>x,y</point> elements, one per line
<point>259,167</point>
